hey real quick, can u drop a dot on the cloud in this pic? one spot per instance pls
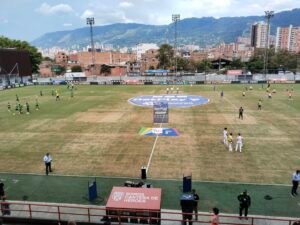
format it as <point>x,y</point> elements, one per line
<point>47,9</point>
<point>67,24</point>
<point>87,13</point>
<point>159,12</point>
<point>126,4</point>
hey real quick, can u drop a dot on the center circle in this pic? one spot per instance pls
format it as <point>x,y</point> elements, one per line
<point>174,101</point>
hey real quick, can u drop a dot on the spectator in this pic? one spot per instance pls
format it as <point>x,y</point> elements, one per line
<point>245,202</point>
<point>5,207</point>
<point>2,193</point>
<point>72,222</point>
<point>215,216</point>
<point>196,200</point>
<point>295,181</point>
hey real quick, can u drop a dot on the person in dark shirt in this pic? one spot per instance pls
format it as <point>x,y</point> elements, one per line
<point>27,108</point>
<point>8,107</point>
<point>241,112</point>
<point>245,202</point>
<point>196,200</point>
<point>2,193</point>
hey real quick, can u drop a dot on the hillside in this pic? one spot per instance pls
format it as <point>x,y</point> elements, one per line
<point>201,31</point>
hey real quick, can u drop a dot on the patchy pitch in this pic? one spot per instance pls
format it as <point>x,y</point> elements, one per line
<point>97,133</point>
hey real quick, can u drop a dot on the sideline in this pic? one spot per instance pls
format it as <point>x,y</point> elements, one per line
<point>155,179</point>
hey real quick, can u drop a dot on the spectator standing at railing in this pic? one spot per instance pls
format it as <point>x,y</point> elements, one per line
<point>5,207</point>
<point>295,182</point>
<point>71,222</point>
<point>215,216</point>
<point>196,200</point>
<point>2,193</point>
<point>245,202</point>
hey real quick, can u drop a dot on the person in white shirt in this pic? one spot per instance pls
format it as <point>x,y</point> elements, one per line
<point>230,142</point>
<point>47,161</point>
<point>225,136</point>
<point>167,90</point>
<point>239,142</point>
<point>295,181</point>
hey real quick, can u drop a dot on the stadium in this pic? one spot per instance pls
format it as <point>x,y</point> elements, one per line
<point>122,137</point>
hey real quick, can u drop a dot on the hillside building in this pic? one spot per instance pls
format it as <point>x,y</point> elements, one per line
<point>143,47</point>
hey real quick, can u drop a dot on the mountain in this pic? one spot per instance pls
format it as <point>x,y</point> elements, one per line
<point>201,31</point>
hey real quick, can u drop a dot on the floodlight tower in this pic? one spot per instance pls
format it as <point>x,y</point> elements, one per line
<point>268,16</point>
<point>91,21</point>
<point>175,19</point>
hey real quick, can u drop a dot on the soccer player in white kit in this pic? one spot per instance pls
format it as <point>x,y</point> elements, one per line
<point>239,142</point>
<point>230,142</point>
<point>225,136</point>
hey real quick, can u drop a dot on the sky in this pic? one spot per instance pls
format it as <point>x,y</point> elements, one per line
<point>29,19</point>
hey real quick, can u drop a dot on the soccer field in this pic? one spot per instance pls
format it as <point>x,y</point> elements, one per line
<point>96,133</point>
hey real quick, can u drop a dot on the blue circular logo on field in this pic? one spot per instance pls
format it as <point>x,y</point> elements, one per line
<point>174,101</point>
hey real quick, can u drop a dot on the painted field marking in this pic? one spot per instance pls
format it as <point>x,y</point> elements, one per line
<point>153,148</point>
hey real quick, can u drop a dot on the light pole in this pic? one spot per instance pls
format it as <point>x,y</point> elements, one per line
<point>175,19</point>
<point>91,21</point>
<point>268,16</point>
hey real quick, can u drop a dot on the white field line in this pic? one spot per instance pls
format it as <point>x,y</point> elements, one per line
<point>153,148</point>
<point>234,106</point>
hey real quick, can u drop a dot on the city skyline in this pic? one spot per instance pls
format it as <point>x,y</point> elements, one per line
<point>43,16</point>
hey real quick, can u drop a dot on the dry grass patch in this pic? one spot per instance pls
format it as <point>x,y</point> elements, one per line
<point>36,124</point>
<point>97,117</point>
<point>230,119</point>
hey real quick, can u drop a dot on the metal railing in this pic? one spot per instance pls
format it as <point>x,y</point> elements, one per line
<point>96,214</point>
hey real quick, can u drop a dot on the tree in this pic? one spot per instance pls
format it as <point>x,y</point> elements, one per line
<point>203,66</point>
<point>48,59</point>
<point>165,55</point>
<point>35,56</point>
<point>236,64</point>
<point>183,64</point>
<point>75,69</point>
<point>105,69</point>
<point>58,69</point>
<point>283,60</point>
<point>255,64</point>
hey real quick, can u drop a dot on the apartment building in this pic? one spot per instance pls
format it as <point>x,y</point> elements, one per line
<point>288,38</point>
